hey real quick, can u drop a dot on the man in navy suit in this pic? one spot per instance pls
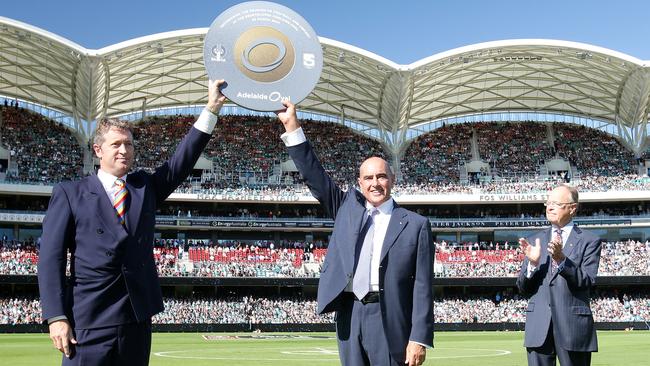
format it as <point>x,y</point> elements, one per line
<point>377,275</point>
<point>101,314</point>
<point>558,273</point>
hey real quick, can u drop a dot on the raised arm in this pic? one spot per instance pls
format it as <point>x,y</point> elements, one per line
<point>319,182</point>
<point>174,171</point>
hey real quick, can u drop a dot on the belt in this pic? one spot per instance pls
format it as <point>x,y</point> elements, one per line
<point>370,297</point>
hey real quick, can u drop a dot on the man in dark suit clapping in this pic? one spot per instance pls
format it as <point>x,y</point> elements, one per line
<point>558,273</point>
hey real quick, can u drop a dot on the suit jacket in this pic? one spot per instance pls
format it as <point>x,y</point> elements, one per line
<point>406,267</point>
<point>113,278</point>
<point>562,297</point>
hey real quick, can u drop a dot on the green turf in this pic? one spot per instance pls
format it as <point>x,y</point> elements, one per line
<point>466,348</point>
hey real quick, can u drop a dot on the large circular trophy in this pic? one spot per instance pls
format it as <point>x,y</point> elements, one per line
<point>266,53</point>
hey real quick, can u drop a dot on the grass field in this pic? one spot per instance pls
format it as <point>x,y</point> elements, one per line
<point>454,349</point>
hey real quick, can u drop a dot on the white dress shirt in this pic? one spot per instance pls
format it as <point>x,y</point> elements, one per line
<point>382,218</point>
<point>108,182</point>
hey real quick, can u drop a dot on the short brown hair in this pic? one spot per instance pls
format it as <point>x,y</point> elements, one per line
<point>104,125</point>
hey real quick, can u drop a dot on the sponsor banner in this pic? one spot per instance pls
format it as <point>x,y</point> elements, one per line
<point>244,223</point>
<point>519,223</point>
<point>510,197</point>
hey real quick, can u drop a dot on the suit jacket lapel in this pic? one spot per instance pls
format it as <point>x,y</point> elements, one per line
<point>546,238</point>
<point>572,242</point>
<point>397,223</point>
<point>355,220</point>
<point>99,202</point>
<point>135,207</point>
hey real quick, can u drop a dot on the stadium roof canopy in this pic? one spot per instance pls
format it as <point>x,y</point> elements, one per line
<point>166,70</point>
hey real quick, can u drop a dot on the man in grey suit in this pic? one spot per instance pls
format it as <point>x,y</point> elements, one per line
<point>377,275</point>
<point>558,273</point>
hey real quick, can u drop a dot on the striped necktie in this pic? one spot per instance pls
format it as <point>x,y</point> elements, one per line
<point>119,200</point>
<point>557,239</point>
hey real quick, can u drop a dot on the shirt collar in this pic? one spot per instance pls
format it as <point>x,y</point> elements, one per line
<point>565,229</point>
<point>107,179</point>
<point>385,208</point>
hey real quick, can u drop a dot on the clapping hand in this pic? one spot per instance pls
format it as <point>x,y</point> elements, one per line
<point>532,252</point>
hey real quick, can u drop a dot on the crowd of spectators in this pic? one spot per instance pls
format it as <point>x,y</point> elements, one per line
<point>592,151</point>
<point>40,149</point>
<point>518,185</point>
<point>44,151</point>
<point>249,146</point>
<point>513,148</point>
<point>20,310</point>
<point>238,310</point>
<point>231,258</point>
<point>432,161</point>
<point>588,183</point>
<point>289,259</point>
<point>340,150</point>
<point>625,258</point>
<point>622,258</point>
<point>497,307</point>
<point>155,139</point>
<point>616,307</point>
<point>246,143</point>
<point>480,309</point>
<point>18,257</point>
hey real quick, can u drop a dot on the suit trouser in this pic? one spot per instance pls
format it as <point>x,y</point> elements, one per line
<point>124,345</point>
<point>360,334</point>
<point>546,354</point>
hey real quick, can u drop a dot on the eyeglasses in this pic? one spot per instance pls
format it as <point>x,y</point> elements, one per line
<point>554,204</point>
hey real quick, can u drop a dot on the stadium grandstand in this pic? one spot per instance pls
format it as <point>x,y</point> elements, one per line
<point>477,136</point>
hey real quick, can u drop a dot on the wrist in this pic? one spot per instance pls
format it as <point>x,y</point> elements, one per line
<point>290,129</point>
<point>214,108</point>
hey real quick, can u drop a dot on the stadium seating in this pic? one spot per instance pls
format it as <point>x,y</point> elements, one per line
<point>430,164</point>
<point>41,150</point>
<point>513,148</point>
<point>434,158</point>
<point>593,152</point>
<point>496,307</point>
<point>258,139</point>
<point>237,259</point>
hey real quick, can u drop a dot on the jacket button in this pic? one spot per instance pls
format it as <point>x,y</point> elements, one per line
<point>100,230</point>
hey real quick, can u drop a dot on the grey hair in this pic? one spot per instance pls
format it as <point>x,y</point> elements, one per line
<point>573,191</point>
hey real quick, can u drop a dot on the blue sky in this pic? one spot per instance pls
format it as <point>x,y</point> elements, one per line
<point>402,31</point>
